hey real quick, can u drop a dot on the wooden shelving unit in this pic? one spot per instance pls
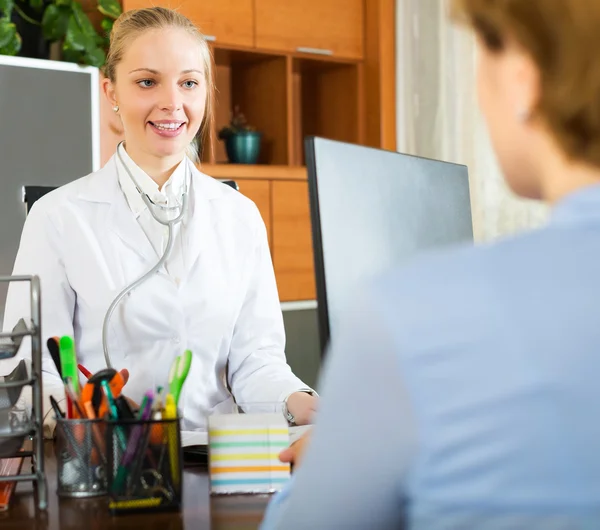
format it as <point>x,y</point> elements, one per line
<point>287,96</point>
<point>294,68</point>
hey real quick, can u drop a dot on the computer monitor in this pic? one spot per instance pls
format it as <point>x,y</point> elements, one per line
<point>373,209</point>
<point>51,136</point>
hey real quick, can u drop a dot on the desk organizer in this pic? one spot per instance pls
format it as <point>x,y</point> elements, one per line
<point>16,425</point>
<point>144,464</point>
<point>81,457</point>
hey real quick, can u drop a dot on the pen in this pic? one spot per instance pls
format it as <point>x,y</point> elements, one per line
<point>84,371</point>
<point>54,350</point>
<point>59,413</point>
<point>65,428</point>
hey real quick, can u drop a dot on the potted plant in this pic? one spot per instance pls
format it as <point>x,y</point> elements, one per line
<point>61,21</point>
<point>242,141</point>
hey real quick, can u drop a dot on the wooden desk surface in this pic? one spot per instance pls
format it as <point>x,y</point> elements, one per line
<point>200,510</point>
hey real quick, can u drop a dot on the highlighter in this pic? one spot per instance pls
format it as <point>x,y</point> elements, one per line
<point>171,414</point>
<point>178,373</point>
<point>68,361</point>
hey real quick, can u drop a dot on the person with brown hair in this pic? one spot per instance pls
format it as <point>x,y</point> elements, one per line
<point>148,257</point>
<point>461,391</point>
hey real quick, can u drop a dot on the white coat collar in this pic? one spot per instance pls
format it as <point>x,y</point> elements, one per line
<point>103,187</point>
<point>173,187</point>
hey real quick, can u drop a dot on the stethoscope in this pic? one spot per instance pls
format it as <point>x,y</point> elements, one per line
<point>170,223</point>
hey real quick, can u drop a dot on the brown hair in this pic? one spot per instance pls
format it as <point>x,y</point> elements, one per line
<point>136,21</point>
<point>563,39</point>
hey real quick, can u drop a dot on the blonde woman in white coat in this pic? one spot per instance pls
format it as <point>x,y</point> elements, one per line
<point>216,294</point>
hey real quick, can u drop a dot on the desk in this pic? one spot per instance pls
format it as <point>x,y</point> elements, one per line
<point>200,510</point>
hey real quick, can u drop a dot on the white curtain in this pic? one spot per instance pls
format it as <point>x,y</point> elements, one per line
<point>438,115</point>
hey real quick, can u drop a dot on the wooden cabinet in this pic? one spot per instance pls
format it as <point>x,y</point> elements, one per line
<point>292,241</point>
<point>259,191</point>
<point>330,27</point>
<point>222,21</point>
<point>285,209</point>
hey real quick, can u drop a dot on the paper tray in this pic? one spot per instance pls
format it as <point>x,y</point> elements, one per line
<point>15,426</point>
<point>12,384</point>
<point>11,342</point>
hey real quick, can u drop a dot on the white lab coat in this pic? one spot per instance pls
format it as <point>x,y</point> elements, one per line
<point>86,246</point>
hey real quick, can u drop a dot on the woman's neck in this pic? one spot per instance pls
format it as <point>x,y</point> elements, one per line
<point>159,169</point>
<point>561,176</point>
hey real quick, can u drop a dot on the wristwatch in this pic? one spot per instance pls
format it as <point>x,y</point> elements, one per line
<point>288,415</point>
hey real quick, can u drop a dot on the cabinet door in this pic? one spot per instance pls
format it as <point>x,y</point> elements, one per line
<point>259,191</point>
<point>332,27</point>
<point>292,241</point>
<point>224,21</point>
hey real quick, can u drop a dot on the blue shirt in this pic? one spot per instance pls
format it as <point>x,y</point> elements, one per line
<point>464,385</point>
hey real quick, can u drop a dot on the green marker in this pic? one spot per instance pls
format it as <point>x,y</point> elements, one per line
<point>68,361</point>
<point>178,373</point>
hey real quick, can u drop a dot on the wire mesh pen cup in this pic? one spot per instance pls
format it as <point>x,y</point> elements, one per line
<point>81,457</point>
<point>144,465</point>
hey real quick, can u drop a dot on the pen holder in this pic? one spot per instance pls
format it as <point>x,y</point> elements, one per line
<point>81,457</point>
<point>144,465</point>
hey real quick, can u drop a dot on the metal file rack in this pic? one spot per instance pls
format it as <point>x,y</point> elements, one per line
<point>14,431</point>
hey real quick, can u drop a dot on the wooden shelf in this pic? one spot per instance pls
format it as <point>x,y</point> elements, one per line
<point>325,102</point>
<point>261,172</point>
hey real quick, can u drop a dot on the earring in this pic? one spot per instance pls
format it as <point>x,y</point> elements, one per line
<point>116,108</point>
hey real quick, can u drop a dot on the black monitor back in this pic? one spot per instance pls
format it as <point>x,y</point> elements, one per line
<point>373,209</point>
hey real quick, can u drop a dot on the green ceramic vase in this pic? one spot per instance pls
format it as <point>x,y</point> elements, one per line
<point>243,147</point>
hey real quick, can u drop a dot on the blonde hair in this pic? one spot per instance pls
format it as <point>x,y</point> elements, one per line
<point>137,21</point>
<point>563,38</point>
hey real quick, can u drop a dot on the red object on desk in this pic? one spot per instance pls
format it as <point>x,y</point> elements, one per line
<point>8,466</point>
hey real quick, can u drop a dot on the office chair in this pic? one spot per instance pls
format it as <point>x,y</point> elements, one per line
<point>33,193</point>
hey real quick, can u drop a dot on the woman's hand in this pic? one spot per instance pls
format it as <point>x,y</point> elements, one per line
<point>303,407</point>
<point>294,453</point>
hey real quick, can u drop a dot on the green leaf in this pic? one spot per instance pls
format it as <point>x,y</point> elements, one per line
<point>55,22</point>
<point>63,3</point>
<point>6,6</point>
<point>7,31</point>
<point>75,38</point>
<point>70,55</point>
<point>107,25</point>
<point>36,4</point>
<point>10,40</point>
<point>95,57</point>
<point>87,27</point>
<point>110,8</point>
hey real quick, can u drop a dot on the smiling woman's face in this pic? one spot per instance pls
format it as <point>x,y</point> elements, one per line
<point>160,89</point>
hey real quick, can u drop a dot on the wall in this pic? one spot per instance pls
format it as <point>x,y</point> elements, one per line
<point>438,117</point>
